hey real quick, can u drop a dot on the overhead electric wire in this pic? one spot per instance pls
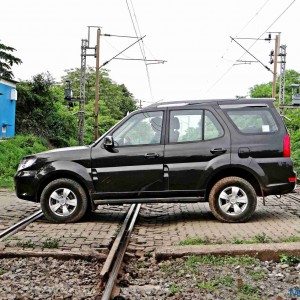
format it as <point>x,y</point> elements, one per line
<point>247,24</point>
<point>137,33</point>
<point>227,49</point>
<point>229,69</point>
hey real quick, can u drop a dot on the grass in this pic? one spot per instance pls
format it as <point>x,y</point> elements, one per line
<point>12,151</point>
<point>2,271</point>
<point>194,261</point>
<point>263,238</point>
<point>51,243</point>
<point>211,285</point>
<point>195,241</point>
<point>291,239</point>
<point>27,244</point>
<point>248,289</point>
<point>289,259</point>
<point>174,289</point>
<point>257,275</point>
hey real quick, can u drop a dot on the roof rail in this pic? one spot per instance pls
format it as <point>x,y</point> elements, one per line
<point>202,101</point>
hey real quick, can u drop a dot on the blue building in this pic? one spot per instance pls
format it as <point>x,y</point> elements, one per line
<point>8,97</point>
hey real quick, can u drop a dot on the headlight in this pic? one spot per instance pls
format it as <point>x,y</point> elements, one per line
<point>26,162</point>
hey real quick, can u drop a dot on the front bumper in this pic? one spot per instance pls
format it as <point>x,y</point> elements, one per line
<point>26,185</point>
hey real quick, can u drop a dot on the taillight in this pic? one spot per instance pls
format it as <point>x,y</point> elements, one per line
<point>286,146</point>
<point>293,179</point>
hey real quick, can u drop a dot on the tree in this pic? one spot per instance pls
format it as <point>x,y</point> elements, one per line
<point>7,60</point>
<point>115,100</point>
<point>41,111</point>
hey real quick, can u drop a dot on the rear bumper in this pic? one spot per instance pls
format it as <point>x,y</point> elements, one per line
<point>279,188</point>
<point>26,185</point>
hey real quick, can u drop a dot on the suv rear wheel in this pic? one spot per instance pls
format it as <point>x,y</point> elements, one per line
<point>63,201</point>
<point>232,199</point>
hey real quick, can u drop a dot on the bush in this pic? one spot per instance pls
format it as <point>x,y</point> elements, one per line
<point>12,151</point>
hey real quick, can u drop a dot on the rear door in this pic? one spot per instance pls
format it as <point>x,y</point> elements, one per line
<point>198,141</point>
<point>258,135</point>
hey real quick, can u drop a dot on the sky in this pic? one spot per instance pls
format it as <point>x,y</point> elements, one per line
<point>193,36</point>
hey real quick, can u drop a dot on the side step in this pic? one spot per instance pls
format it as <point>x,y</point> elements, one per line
<point>149,200</point>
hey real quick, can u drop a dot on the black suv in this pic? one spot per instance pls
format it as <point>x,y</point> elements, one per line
<point>226,152</point>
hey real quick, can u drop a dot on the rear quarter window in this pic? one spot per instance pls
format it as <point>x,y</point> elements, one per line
<point>253,120</point>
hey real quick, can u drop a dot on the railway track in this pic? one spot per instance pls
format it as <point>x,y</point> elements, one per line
<point>20,225</point>
<point>115,257</point>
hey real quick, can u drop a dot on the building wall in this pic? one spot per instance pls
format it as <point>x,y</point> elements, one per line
<point>7,108</point>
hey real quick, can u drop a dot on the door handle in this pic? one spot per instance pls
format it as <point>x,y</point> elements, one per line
<point>151,155</point>
<point>217,150</point>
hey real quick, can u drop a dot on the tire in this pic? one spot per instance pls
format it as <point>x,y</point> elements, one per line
<point>232,199</point>
<point>64,201</point>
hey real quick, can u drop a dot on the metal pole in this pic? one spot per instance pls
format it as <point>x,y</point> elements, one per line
<point>81,112</point>
<point>277,43</point>
<point>282,78</point>
<point>97,87</point>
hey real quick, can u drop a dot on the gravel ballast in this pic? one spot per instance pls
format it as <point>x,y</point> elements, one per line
<point>48,278</point>
<point>210,277</point>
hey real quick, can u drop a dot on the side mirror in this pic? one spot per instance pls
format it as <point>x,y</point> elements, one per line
<point>109,142</point>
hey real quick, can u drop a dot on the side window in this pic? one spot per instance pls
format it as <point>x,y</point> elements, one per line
<point>185,126</point>
<point>253,120</point>
<point>212,128</point>
<point>141,129</point>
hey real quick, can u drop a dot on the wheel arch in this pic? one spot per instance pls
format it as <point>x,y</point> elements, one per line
<point>69,175</point>
<point>237,171</point>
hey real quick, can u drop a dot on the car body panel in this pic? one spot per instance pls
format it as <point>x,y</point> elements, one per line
<point>182,170</point>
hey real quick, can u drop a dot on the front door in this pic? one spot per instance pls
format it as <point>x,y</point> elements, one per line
<point>197,142</point>
<point>134,167</point>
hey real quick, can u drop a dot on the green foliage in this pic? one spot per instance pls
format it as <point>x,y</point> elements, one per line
<point>174,288</point>
<point>289,259</point>
<point>211,285</point>
<point>115,100</point>
<point>51,243</point>
<point>193,261</point>
<point>291,239</point>
<point>261,238</point>
<point>292,119</point>
<point>12,151</point>
<point>26,244</point>
<point>2,271</point>
<point>248,289</point>
<point>7,60</point>
<point>195,241</point>
<point>257,275</point>
<point>41,111</point>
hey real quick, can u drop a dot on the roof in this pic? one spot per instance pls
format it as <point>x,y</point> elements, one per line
<point>209,101</point>
<point>9,82</point>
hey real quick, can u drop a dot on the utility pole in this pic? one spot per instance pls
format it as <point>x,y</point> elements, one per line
<point>277,43</point>
<point>81,112</point>
<point>282,78</point>
<point>97,87</point>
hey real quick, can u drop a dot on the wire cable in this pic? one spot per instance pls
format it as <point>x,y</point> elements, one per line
<point>137,33</point>
<point>229,69</point>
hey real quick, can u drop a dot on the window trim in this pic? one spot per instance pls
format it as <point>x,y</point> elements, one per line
<point>140,145</point>
<point>203,118</point>
<point>249,133</point>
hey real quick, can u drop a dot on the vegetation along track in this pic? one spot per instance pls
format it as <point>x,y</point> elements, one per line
<point>20,225</point>
<point>114,259</point>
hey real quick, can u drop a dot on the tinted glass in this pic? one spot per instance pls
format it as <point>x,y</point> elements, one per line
<point>141,129</point>
<point>212,128</point>
<point>253,120</point>
<point>185,126</point>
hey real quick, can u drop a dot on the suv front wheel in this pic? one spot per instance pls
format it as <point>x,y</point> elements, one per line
<point>63,201</point>
<point>232,199</point>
